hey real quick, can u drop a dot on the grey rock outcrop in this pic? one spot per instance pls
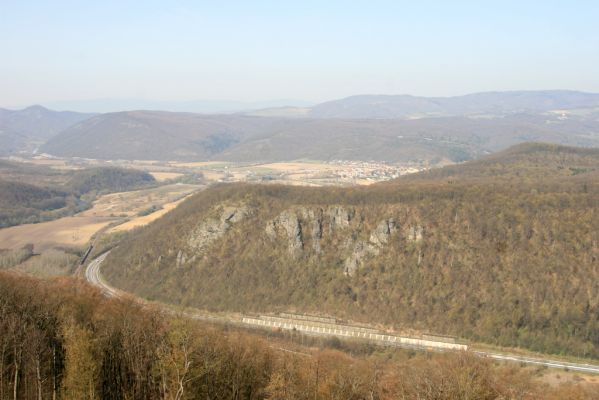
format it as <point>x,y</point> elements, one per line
<point>379,237</point>
<point>340,217</point>
<point>212,228</point>
<point>315,219</point>
<point>290,224</point>
<point>360,251</point>
<point>306,226</point>
<point>382,232</point>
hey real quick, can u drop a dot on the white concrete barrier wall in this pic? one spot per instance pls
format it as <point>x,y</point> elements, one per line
<point>317,323</point>
<point>351,333</point>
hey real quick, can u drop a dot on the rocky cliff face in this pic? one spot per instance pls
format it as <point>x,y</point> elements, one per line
<point>346,234</point>
<point>362,249</point>
<point>289,224</point>
<point>308,229</point>
<point>472,257</point>
<point>221,219</point>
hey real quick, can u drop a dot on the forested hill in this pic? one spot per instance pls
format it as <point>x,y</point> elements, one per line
<point>108,179</point>
<point>25,130</point>
<point>489,103</point>
<point>529,162</point>
<point>30,194</point>
<point>62,339</point>
<point>512,262</point>
<point>154,135</point>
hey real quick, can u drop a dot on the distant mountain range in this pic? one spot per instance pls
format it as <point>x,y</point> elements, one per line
<point>195,106</point>
<point>381,128</point>
<point>406,106</point>
<point>191,137</point>
<point>24,130</point>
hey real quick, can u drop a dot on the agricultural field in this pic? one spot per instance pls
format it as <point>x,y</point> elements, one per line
<point>145,219</point>
<point>130,204</point>
<point>302,172</point>
<point>165,176</point>
<point>299,172</point>
<point>74,231</point>
<point>123,211</point>
<point>77,230</point>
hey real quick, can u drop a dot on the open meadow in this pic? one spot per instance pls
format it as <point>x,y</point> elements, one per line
<point>77,230</point>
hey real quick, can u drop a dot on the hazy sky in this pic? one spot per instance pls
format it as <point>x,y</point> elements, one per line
<point>311,50</point>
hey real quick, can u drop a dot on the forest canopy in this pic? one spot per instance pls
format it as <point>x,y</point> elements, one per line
<point>63,339</point>
<point>506,259</point>
<point>30,194</point>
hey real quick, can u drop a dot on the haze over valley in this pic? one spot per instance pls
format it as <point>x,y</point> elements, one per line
<point>315,200</point>
<point>396,129</point>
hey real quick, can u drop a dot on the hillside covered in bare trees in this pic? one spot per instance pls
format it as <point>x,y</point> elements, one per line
<point>508,256</point>
<point>63,340</point>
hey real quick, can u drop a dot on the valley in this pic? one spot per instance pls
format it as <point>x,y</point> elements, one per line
<point>299,201</point>
<point>400,253</point>
<point>293,172</point>
<point>111,212</point>
<point>71,232</point>
<point>385,248</point>
<point>328,228</point>
<point>313,325</point>
<point>123,211</point>
<point>225,360</point>
<point>404,232</point>
<point>341,242</point>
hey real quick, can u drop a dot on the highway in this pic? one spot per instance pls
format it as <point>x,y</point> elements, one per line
<point>93,276</point>
<point>588,368</point>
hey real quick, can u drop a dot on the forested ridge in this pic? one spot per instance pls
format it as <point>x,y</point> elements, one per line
<point>108,179</point>
<point>62,339</point>
<point>30,194</point>
<point>527,162</point>
<point>512,262</point>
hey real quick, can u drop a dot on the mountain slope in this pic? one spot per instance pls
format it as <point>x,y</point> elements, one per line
<point>528,161</point>
<point>153,135</point>
<point>30,194</point>
<point>23,130</point>
<point>512,262</point>
<point>192,137</point>
<point>496,103</point>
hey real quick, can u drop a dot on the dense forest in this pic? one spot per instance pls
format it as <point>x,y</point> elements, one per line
<point>62,339</point>
<point>108,179</point>
<point>23,203</point>
<point>528,162</point>
<point>511,262</point>
<point>31,194</point>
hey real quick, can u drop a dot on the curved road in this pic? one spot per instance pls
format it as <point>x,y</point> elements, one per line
<point>92,274</point>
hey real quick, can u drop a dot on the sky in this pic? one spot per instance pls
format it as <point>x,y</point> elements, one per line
<point>52,51</point>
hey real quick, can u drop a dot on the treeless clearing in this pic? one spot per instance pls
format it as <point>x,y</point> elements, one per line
<point>213,175</point>
<point>198,164</point>
<point>164,176</point>
<point>68,231</point>
<point>291,182</point>
<point>77,230</point>
<point>45,162</point>
<point>128,204</point>
<point>146,219</point>
<point>298,166</point>
<point>302,172</point>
